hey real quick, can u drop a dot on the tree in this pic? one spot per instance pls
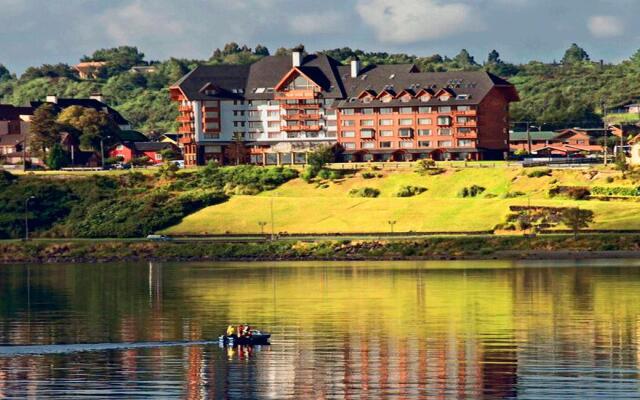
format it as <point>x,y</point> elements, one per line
<point>92,125</point>
<point>261,50</point>
<point>465,60</point>
<point>575,219</point>
<point>494,57</point>
<point>57,157</point>
<point>236,150</point>
<point>5,75</point>
<point>169,154</point>
<point>48,71</point>
<point>575,54</point>
<point>44,131</point>
<point>319,157</point>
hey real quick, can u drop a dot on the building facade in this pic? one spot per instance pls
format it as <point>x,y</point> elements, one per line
<point>278,109</point>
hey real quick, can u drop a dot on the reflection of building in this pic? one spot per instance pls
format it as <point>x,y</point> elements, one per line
<point>281,107</point>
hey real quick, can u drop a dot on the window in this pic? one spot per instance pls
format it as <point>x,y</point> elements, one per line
<point>464,108</point>
<point>465,143</point>
<point>348,111</point>
<point>348,122</point>
<point>255,124</point>
<point>386,122</point>
<point>310,111</point>
<point>291,123</point>
<point>238,113</point>
<point>425,110</point>
<point>462,97</point>
<point>274,124</point>
<point>405,110</point>
<point>292,101</point>
<point>425,121</point>
<point>463,120</point>
<point>253,113</point>
<point>580,142</point>
<point>406,121</point>
<point>386,133</point>
<point>366,111</point>
<point>349,146</point>
<point>332,122</point>
<point>367,122</point>
<point>444,143</point>
<point>405,132</point>
<point>386,110</point>
<point>273,113</point>
<point>444,109</point>
<point>291,112</point>
<point>406,145</point>
<point>311,122</point>
<point>368,145</point>
<point>406,98</point>
<point>425,97</point>
<point>444,120</point>
<point>238,124</point>
<point>348,134</point>
<point>386,98</point>
<point>385,145</point>
<point>424,132</point>
<point>424,143</point>
<point>444,131</point>
<point>330,111</point>
<point>464,130</point>
<point>366,133</point>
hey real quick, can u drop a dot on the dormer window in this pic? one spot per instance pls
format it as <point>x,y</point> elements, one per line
<point>445,97</point>
<point>386,98</point>
<point>367,99</point>
<point>462,97</point>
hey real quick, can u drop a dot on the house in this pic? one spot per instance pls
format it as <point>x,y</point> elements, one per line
<point>14,120</point>
<point>281,107</point>
<point>172,138</point>
<point>89,69</point>
<point>634,157</point>
<point>564,142</point>
<point>519,141</point>
<point>95,101</point>
<point>143,69</point>
<point>131,150</point>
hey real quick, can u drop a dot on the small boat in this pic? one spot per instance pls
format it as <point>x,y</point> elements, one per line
<point>254,338</point>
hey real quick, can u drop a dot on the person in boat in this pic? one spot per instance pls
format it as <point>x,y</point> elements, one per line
<point>230,330</point>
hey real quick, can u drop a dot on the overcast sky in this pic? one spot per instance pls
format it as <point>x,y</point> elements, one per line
<point>33,32</point>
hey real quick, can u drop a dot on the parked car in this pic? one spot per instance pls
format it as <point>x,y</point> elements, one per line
<point>179,163</point>
<point>159,238</point>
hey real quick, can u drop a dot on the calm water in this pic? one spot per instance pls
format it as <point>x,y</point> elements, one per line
<point>362,330</point>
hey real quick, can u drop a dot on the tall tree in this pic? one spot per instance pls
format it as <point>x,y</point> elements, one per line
<point>575,219</point>
<point>44,131</point>
<point>94,127</point>
<point>261,50</point>
<point>5,75</point>
<point>575,54</point>
<point>464,59</point>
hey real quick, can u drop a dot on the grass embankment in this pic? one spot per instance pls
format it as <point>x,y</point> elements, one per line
<point>428,248</point>
<point>326,207</point>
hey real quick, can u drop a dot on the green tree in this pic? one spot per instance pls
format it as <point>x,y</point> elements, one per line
<point>575,54</point>
<point>575,219</point>
<point>320,157</point>
<point>261,50</point>
<point>118,59</point>
<point>57,157</point>
<point>44,131</point>
<point>49,71</point>
<point>93,126</point>
<point>465,60</point>
<point>5,75</point>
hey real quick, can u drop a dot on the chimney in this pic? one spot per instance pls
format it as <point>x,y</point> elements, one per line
<point>52,99</point>
<point>355,68</point>
<point>97,96</point>
<point>296,58</point>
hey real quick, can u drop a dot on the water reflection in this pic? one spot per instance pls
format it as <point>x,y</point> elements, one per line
<point>409,330</point>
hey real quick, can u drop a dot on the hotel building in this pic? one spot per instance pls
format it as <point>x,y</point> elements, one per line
<point>278,109</point>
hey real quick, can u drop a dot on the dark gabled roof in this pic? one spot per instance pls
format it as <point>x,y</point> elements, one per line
<point>131,136</point>
<point>266,73</point>
<point>535,135</point>
<point>62,103</point>
<point>225,77</point>
<point>396,78</point>
<point>151,146</point>
<point>10,112</point>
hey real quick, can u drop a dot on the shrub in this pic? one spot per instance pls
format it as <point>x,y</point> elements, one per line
<point>610,179</point>
<point>539,173</point>
<point>335,174</point>
<point>364,192</point>
<point>572,192</point>
<point>324,174</point>
<point>471,191</point>
<point>410,191</point>
<point>616,191</point>
<point>368,175</point>
<point>511,195</point>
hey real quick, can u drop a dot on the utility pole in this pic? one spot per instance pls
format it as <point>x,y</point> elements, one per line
<point>26,217</point>
<point>24,152</point>
<point>606,145</point>
<point>102,151</point>
<point>528,137</point>
<point>272,224</point>
<point>391,224</point>
<point>262,224</point>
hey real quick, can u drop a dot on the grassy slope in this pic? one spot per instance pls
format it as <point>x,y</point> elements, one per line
<point>299,207</point>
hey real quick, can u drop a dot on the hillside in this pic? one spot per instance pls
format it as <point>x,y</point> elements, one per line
<point>300,207</point>
<point>563,94</point>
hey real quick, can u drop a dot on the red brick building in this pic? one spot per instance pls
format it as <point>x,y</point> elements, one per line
<point>130,150</point>
<point>281,107</point>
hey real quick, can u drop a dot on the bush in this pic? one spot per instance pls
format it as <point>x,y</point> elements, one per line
<point>368,175</point>
<point>410,191</point>
<point>610,179</point>
<point>335,174</point>
<point>616,191</point>
<point>511,195</point>
<point>539,173</point>
<point>364,192</point>
<point>324,173</point>
<point>471,191</point>
<point>572,192</point>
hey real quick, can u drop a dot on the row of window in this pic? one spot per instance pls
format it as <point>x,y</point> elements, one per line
<point>409,144</point>
<point>406,132</point>
<point>404,110</point>
<point>325,102</point>
<point>443,120</point>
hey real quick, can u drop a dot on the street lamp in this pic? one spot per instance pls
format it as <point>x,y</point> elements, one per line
<point>26,217</point>
<point>391,224</point>
<point>262,225</point>
<point>102,149</point>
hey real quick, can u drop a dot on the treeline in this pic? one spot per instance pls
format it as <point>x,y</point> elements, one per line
<point>569,92</point>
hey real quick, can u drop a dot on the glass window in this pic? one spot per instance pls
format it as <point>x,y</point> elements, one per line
<point>444,132</point>
<point>274,124</point>
<point>406,121</point>
<point>386,133</point>
<point>348,122</point>
<point>349,146</point>
<point>386,122</point>
<point>424,143</point>
<point>465,143</point>
<point>405,132</point>
<point>425,110</point>
<point>367,122</point>
<point>444,143</point>
<point>368,145</point>
<point>385,145</point>
<point>386,110</point>
<point>367,111</point>
<point>347,111</point>
<point>424,132</point>
<point>406,110</point>
<point>464,108</point>
<point>406,145</point>
<point>348,134</point>
<point>444,109</point>
<point>424,121</point>
<point>444,120</point>
<point>366,133</point>
<point>464,130</point>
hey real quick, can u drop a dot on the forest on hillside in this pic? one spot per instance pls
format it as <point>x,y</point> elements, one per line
<point>569,92</point>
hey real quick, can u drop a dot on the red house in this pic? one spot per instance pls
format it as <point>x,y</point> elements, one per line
<point>128,151</point>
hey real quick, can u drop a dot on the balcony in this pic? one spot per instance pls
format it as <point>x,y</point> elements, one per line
<point>182,108</point>
<point>294,128</point>
<point>470,113</point>
<point>187,140</point>
<point>185,130</point>
<point>467,135</point>
<point>296,94</point>
<point>184,118</point>
<point>299,106</point>
<point>473,123</point>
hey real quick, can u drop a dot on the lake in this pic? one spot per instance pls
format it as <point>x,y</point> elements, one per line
<point>444,329</point>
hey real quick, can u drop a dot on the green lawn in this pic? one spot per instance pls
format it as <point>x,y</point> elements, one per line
<point>300,207</point>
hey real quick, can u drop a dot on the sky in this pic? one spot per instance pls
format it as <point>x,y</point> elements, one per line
<point>35,32</point>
